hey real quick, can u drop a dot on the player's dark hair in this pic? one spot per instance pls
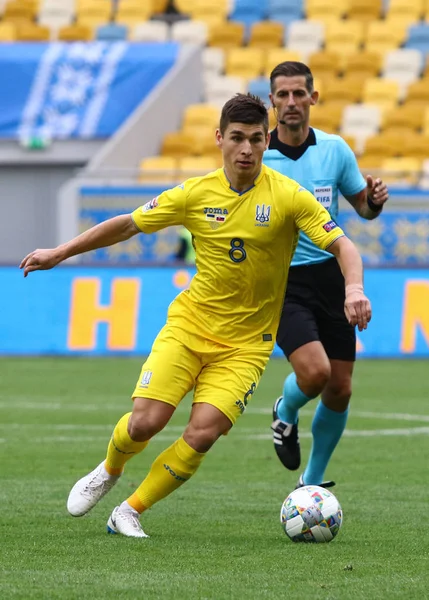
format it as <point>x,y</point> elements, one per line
<point>244,108</point>
<point>292,68</point>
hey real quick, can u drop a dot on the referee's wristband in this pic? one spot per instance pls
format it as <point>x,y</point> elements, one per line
<point>374,207</point>
<point>354,287</point>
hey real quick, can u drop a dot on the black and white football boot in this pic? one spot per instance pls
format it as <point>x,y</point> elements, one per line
<point>286,441</point>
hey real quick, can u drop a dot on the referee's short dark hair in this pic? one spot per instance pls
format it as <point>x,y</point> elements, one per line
<point>291,68</point>
<point>244,108</point>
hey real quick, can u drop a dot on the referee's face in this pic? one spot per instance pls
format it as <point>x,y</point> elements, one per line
<point>292,101</point>
<point>242,148</point>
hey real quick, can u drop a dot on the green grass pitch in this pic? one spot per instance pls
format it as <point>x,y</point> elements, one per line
<point>219,536</point>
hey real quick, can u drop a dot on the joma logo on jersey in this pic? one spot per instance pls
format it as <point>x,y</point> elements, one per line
<point>145,380</point>
<point>262,215</point>
<point>215,211</point>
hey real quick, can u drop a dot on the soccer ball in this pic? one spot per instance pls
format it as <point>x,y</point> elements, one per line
<point>311,514</point>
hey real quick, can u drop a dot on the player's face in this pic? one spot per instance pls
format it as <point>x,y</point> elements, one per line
<point>292,100</point>
<point>242,148</point>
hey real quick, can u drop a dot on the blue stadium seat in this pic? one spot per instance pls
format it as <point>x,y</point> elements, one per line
<point>260,87</point>
<point>243,6</point>
<point>277,5</point>
<point>418,38</point>
<point>112,32</point>
<point>249,11</point>
<point>285,12</point>
<point>248,18</point>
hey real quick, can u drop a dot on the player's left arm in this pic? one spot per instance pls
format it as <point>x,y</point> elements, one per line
<point>366,196</point>
<point>323,231</point>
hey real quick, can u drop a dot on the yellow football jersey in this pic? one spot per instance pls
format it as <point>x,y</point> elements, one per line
<point>244,244</point>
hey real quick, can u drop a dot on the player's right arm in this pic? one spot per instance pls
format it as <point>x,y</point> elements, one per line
<point>112,231</point>
<point>167,209</point>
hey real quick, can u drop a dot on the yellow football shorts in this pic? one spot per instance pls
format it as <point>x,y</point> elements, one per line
<point>222,376</point>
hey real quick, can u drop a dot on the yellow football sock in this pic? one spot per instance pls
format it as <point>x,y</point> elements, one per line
<point>121,447</point>
<point>169,471</point>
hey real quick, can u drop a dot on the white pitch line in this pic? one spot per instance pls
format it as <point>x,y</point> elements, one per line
<point>251,410</point>
<point>244,432</point>
<point>354,413</point>
<point>356,433</point>
<point>241,435</point>
<point>389,416</point>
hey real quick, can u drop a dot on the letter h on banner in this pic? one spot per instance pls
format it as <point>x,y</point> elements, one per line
<point>86,313</point>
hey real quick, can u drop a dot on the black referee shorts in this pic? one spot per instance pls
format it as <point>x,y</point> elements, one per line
<point>313,310</point>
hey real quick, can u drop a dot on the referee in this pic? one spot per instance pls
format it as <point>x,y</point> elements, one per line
<point>314,334</point>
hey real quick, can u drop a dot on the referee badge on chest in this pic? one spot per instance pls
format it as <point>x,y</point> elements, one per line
<point>323,195</point>
<point>263,213</point>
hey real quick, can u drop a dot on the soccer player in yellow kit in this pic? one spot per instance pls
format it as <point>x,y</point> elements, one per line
<point>220,333</point>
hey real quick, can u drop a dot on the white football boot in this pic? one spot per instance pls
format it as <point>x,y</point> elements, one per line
<point>89,490</point>
<point>125,520</point>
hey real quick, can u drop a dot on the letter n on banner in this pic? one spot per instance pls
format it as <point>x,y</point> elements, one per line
<point>415,315</point>
<point>86,313</point>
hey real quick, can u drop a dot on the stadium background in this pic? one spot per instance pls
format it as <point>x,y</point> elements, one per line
<point>107,103</point>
